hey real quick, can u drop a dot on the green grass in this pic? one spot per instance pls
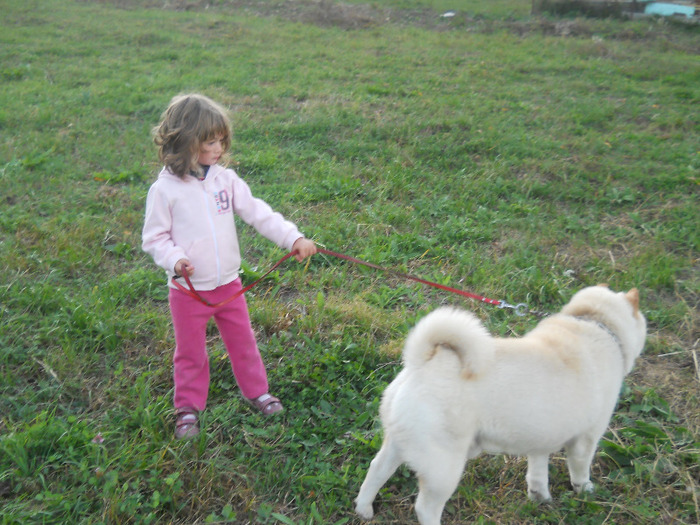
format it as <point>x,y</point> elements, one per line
<point>515,157</point>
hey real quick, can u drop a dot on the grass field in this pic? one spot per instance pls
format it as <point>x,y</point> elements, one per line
<point>519,158</point>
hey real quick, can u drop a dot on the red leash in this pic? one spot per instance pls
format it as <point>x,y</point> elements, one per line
<point>520,309</point>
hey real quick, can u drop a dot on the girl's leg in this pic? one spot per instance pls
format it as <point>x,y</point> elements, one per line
<point>191,362</point>
<point>238,336</point>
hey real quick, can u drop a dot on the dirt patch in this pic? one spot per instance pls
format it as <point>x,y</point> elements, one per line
<point>324,13</point>
<point>672,376</point>
<point>330,13</point>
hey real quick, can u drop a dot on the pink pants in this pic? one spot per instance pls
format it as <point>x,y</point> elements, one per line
<point>191,361</point>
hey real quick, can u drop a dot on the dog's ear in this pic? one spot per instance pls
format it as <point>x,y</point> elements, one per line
<point>633,298</point>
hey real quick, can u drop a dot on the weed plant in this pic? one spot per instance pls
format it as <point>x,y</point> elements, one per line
<point>515,157</point>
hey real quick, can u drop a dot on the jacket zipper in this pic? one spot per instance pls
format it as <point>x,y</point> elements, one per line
<point>213,232</point>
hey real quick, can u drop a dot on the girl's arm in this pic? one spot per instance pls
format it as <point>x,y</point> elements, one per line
<point>265,220</point>
<point>156,237</point>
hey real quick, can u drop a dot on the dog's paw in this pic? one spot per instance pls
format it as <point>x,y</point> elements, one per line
<point>584,487</point>
<point>539,496</point>
<point>366,512</point>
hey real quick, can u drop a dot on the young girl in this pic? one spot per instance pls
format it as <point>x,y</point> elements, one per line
<point>189,228</point>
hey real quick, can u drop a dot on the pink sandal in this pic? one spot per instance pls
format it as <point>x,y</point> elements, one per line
<point>186,423</point>
<point>267,404</point>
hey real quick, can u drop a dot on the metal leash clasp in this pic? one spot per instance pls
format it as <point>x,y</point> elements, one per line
<point>520,309</point>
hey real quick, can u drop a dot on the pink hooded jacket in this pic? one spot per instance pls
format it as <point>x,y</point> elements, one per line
<point>192,219</point>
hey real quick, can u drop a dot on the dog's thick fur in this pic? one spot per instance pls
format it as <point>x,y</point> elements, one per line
<point>463,391</point>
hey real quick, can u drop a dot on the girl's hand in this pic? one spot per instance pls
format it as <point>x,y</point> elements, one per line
<point>304,248</point>
<point>184,265</point>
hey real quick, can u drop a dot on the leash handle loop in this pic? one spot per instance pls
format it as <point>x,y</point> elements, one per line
<point>195,295</point>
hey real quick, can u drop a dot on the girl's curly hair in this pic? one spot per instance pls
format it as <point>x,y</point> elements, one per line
<point>189,121</point>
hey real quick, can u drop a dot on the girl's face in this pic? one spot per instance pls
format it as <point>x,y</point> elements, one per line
<point>210,151</point>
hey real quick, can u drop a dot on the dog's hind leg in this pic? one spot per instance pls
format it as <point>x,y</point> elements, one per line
<point>438,479</point>
<point>384,464</point>
<point>579,455</point>
<point>538,477</point>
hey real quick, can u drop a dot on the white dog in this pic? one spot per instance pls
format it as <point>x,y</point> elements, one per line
<point>463,391</point>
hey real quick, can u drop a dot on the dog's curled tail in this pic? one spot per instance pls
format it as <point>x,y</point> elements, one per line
<point>448,329</point>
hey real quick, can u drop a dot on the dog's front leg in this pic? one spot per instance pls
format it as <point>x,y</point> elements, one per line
<point>538,478</point>
<point>382,467</point>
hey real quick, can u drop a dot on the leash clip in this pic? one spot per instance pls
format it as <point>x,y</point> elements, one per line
<point>520,309</point>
